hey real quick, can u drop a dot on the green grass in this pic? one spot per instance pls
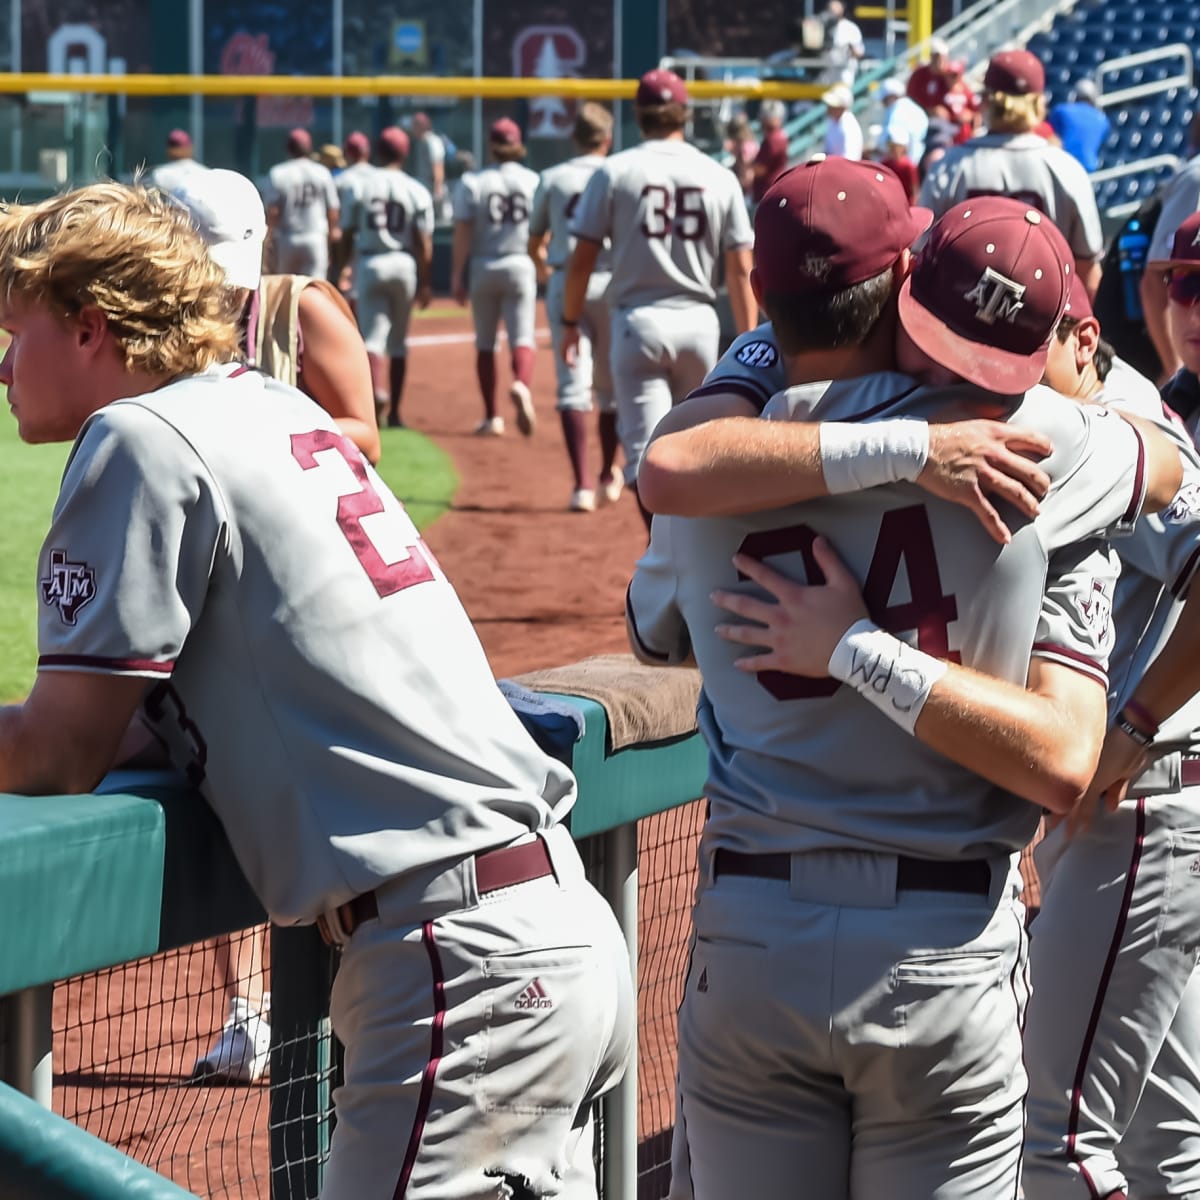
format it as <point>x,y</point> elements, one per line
<point>416,470</point>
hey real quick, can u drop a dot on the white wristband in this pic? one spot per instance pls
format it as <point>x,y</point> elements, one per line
<point>886,671</point>
<point>856,457</point>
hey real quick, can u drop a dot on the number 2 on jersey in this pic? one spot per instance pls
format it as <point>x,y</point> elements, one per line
<point>905,539</point>
<point>387,578</point>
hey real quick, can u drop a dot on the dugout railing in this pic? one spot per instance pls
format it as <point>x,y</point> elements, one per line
<point>92,884</point>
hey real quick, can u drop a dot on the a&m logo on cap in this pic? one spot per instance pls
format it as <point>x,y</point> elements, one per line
<point>996,297</point>
<point>69,586</point>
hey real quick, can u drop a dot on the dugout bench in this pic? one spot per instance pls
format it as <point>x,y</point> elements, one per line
<point>89,882</point>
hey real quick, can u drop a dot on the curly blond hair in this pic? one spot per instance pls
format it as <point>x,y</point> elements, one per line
<point>134,254</point>
<point>1003,113</point>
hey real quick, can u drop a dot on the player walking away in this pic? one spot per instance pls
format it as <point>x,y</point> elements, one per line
<point>388,228</point>
<point>429,163</point>
<point>302,211</point>
<point>1112,1037</point>
<point>1012,160</point>
<point>550,247</point>
<point>181,163</point>
<point>491,231</point>
<point>262,634</point>
<point>295,329</point>
<point>673,215</point>
<point>892,877</point>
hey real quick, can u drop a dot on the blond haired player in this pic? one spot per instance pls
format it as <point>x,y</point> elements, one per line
<point>673,217</point>
<point>224,563</point>
<point>491,233</point>
<point>550,246</point>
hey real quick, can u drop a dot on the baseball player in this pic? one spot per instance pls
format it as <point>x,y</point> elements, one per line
<point>491,230</point>
<point>1113,1032</point>
<point>387,224</point>
<point>673,215</point>
<point>181,162</point>
<point>1012,160</point>
<point>1181,318</point>
<point>302,211</point>
<point>890,874</point>
<point>223,562</point>
<point>550,246</point>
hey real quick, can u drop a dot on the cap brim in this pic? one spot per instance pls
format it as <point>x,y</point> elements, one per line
<point>241,262</point>
<point>985,366</point>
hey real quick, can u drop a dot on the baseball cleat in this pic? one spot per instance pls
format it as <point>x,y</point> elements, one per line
<point>521,397</point>
<point>241,1052</point>
<point>583,500</point>
<point>610,490</point>
<point>490,427</point>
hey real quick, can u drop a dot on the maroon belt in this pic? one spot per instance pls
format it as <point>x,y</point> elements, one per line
<point>972,875</point>
<point>494,869</point>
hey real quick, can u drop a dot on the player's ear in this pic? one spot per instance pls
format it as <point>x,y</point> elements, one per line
<point>1087,339</point>
<point>91,326</point>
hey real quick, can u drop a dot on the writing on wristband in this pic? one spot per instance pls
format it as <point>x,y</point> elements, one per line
<point>1130,730</point>
<point>892,675</point>
<point>1141,716</point>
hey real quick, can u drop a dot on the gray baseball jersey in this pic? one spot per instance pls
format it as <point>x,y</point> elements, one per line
<point>305,194</point>
<point>317,676</point>
<point>347,182</point>
<point>1180,198</point>
<point>671,212</point>
<point>554,203</point>
<point>1028,168</point>
<point>385,209</point>
<point>171,176</point>
<point>497,200</point>
<point>752,368</point>
<point>788,770</point>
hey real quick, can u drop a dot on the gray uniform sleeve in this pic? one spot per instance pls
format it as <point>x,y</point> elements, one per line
<point>752,368</point>
<point>1166,546</point>
<point>1181,199</point>
<point>736,233</point>
<point>124,571</point>
<point>1083,232</point>
<point>1103,481</point>
<point>656,625</point>
<point>539,216</point>
<point>464,200</point>
<point>423,219</point>
<point>1075,627</point>
<point>593,216</point>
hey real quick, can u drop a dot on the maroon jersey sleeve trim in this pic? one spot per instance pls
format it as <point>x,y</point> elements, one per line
<point>1073,659</point>
<point>1139,484</point>
<point>133,666</point>
<point>748,390</point>
<point>644,651</point>
<point>1184,578</point>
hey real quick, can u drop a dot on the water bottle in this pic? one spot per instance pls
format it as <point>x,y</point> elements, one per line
<point>1132,246</point>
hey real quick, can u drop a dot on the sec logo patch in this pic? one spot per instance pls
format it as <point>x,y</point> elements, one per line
<point>758,354</point>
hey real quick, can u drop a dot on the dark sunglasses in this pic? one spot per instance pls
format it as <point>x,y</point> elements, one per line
<point>1183,287</point>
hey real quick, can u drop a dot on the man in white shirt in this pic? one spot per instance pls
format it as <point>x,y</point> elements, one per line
<point>843,133</point>
<point>843,45</point>
<point>904,120</point>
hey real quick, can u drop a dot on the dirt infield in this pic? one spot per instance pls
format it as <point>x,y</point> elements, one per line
<point>543,586</point>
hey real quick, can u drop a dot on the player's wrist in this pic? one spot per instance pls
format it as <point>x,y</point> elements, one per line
<point>1137,724</point>
<point>569,323</point>
<point>896,678</point>
<point>856,457</point>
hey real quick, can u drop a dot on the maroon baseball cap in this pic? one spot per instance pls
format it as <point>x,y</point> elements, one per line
<point>660,87</point>
<point>299,141</point>
<point>179,139</point>
<point>357,143</point>
<point>1185,247</point>
<point>831,223</point>
<point>505,132</point>
<point>393,141</point>
<point>987,291</point>
<point>1015,73</point>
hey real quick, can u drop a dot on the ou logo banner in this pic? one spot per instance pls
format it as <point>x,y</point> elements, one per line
<point>549,52</point>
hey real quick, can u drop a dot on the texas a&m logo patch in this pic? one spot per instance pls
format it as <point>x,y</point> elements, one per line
<point>996,297</point>
<point>69,586</point>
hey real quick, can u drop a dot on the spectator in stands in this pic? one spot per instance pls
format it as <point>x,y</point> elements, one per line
<point>429,163</point>
<point>896,159</point>
<point>843,134</point>
<point>843,45</point>
<point>181,163</point>
<point>1010,159</point>
<point>772,157</point>
<point>960,102</point>
<point>741,143</point>
<point>1081,125</point>
<point>1180,198</point>
<point>930,82</point>
<point>1181,282</point>
<point>904,121</point>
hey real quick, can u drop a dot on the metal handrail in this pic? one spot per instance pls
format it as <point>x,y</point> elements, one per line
<point>1134,168</point>
<point>1139,91</point>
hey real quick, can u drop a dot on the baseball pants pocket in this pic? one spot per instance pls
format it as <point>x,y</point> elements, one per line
<point>1178,923</point>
